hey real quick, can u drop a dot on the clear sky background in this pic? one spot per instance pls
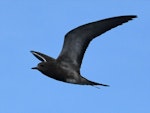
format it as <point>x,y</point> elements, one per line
<point>120,57</point>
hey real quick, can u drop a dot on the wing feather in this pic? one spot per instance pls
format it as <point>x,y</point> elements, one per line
<point>77,40</point>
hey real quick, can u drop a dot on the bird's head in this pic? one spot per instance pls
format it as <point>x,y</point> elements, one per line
<point>42,67</point>
<point>45,64</point>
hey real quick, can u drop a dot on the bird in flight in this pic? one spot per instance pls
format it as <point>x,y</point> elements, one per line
<point>66,67</point>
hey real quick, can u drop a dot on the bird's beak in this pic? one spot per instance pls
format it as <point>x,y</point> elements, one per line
<point>34,68</point>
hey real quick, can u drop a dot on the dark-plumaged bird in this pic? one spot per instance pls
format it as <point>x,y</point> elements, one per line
<point>66,67</point>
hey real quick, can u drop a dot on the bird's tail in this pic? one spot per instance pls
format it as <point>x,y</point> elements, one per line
<point>88,82</point>
<point>95,83</point>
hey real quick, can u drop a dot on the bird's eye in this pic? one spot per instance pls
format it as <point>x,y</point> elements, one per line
<point>42,65</point>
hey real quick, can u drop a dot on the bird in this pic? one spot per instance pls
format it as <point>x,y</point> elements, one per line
<point>66,67</point>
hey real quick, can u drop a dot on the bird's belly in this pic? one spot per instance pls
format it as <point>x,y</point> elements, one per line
<point>70,80</point>
<point>63,74</point>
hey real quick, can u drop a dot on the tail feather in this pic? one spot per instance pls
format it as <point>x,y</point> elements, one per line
<point>95,83</point>
<point>88,82</point>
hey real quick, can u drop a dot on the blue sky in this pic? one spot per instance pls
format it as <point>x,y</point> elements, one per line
<point>120,57</point>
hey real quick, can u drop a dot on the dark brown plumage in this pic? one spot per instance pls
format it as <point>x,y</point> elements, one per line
<point>66,67</point>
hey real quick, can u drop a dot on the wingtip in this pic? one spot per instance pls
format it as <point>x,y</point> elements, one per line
<point>134,16</point>
<point>35,53</point>
<point>39,56</point>
<point>32,51</point>
<point>128,17</point>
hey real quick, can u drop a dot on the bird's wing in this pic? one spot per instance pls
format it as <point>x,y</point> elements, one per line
<point>77,40</point>
<point>42,57</point>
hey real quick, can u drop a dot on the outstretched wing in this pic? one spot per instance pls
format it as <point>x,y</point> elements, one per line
<point>77,40</point>
<point>42,57</point>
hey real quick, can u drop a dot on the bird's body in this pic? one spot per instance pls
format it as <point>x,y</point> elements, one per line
<point>66,67</point>
<point>64,72</point>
